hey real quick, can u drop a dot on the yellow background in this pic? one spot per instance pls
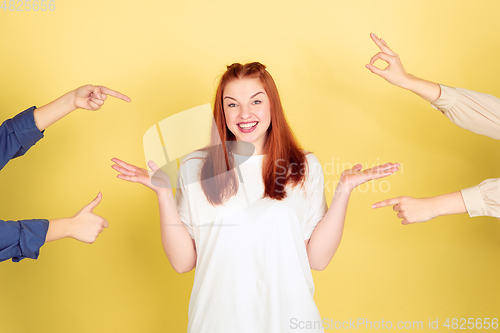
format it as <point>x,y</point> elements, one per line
<point>166,55</point>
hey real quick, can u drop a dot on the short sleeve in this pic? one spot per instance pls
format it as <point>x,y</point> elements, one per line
<point>483,199</point>
<point>182,204</point>
<point>315,189</point>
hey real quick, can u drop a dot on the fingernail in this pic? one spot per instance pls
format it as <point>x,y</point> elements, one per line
<point>373,206</point>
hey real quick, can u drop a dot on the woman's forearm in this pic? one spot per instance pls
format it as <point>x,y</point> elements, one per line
<point>54,111</point>
<point>177,243</point>
<point>429,91</point>
<point>327,235</point>
<point>447,204</point>
<point>58,229</point>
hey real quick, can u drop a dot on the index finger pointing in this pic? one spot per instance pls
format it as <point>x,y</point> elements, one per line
<point>116,94</point>
<point>385,203</point>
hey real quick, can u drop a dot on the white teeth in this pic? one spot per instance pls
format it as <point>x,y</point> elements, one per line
<point>248,125</point>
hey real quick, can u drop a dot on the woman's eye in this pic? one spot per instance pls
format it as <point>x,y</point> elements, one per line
<point>257,102</point>
<point>231,105</point>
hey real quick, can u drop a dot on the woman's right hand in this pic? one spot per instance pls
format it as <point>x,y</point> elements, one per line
<point>394,73</point>
<point>135,174</point>
<point>411,210</point>
<point>91,97</point>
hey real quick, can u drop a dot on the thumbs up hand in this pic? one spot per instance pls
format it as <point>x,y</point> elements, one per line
<point>86,225</point>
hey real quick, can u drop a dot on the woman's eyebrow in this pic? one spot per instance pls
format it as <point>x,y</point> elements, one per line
<point>260,92</point>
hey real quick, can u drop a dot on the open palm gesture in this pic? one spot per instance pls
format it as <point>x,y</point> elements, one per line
<point>351,178</point>
<point>155,179</point>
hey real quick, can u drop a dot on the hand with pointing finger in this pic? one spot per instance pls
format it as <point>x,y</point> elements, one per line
<point>90,97</point>
<point>86,97</point>
<point>415,210</point>
<point>411,210</point>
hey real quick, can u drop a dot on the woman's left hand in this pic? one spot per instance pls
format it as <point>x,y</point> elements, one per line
<point>355,176</point>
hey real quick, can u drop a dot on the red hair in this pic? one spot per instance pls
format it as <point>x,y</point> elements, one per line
<point>283,151</point>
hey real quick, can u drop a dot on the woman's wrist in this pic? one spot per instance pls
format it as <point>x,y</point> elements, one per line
<point>343,188</point>
<point>448,204</point>
<point>410,82</point>
<point>164,193</point>
<point>430,91</point>
<point>58,229</point>
<point>71,100</point>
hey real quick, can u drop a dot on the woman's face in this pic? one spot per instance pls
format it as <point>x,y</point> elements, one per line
<point>248,111</point>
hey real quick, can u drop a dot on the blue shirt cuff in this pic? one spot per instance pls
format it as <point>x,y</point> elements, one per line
<point>25,128</point>
<point>22,239</point>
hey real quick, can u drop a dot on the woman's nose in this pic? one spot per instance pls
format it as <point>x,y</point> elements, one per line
<point>245,112</point>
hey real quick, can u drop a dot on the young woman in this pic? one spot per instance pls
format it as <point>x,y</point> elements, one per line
<point>474,111</point>
<point>253,226</point>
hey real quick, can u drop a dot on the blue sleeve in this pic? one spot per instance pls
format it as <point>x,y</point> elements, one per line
<point>17,135</point>
<point>22,239</point>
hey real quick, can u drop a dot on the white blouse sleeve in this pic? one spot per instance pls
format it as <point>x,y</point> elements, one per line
<point>478,113</point>
<point>182,204</point>
<point>316,195</point>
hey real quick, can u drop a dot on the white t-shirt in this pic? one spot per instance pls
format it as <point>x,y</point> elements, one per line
<point>252,271</point>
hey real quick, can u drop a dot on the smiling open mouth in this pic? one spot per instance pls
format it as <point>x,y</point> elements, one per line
<point>248,125</point>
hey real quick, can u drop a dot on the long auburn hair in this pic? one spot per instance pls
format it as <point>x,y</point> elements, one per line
<point>282,148</point>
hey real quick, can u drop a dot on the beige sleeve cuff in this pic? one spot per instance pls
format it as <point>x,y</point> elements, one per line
<point>471,110</point>
<point>483,199</point>
<point>446,100</point>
